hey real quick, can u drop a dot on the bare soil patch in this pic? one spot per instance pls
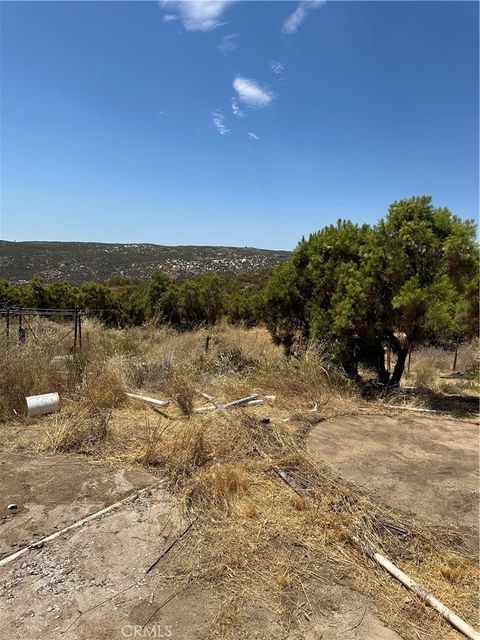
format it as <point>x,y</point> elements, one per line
<point>424,466</point>
<point>53,492</point>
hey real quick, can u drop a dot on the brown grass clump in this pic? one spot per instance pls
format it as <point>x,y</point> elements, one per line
<point>187,454</point>
<point>216,488</point>
<point>179,447</point>
<point>180,388</point>
<point>149,449</point>
<point>80,435</point>
<point>105,385</point>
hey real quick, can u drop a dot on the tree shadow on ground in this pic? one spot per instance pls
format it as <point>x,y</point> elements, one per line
<point>456,404</point>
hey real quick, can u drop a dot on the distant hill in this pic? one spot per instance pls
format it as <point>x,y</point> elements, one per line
<point>85,261</point>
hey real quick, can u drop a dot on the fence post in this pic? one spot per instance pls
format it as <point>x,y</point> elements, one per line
<point>21,331</point>
<point>75,333</point>
<point>80,330</point>
<point>454,368</point>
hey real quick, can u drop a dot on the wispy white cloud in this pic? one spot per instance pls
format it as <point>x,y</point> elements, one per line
<point>219,123</point>
<point>228,43</point>
<point>236,109</point>
<point>168,17</point>
<point>251,92</point>
<point>276,67</point>
<point>197,15</point>
<point>295,19</point>
<point>253,136</point>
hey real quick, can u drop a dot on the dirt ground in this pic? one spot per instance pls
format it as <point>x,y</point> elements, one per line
<point>425,466</point>
<point>91,583</point>
<point>52,492</point>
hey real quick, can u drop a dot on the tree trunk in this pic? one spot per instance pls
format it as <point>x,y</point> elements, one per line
<point>401,352</point>
<point>399,367</point>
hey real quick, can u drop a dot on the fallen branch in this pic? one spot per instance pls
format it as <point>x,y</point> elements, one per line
<point>167,549</point>
<point>95,606</point>
<point>165,602</point>
<point>381,524</point>
<point>293,484</point>
<point>422,593</point>
<point>160,403</point>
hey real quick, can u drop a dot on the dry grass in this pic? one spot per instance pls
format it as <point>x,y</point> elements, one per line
<point>81,434</point>
<point>182,391</point>
<point>254,540</point>
<point>253,536</point>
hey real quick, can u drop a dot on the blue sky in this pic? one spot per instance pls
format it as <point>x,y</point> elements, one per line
<point>232,123</point>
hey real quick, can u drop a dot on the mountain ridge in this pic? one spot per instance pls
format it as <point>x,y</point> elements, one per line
<point>80,262</point>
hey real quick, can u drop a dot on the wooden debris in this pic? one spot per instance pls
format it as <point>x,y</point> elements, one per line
<point>169,547</point>
<point>381,524</point>
<point>293,484</point>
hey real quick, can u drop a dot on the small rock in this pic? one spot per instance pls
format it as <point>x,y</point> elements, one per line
<point>12,506</point>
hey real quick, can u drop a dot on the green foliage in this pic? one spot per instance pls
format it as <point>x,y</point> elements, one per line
<point>199,301</point>
<point>410,278</point>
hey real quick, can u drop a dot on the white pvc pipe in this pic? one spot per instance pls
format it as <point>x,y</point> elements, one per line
<point>422,593</point>
<point>420,410</point>
<point>249,400</point>
<point>136,396</point>
<point>39,405</point>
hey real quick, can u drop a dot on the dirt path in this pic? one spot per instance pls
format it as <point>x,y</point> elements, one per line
<point>427,467</point>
